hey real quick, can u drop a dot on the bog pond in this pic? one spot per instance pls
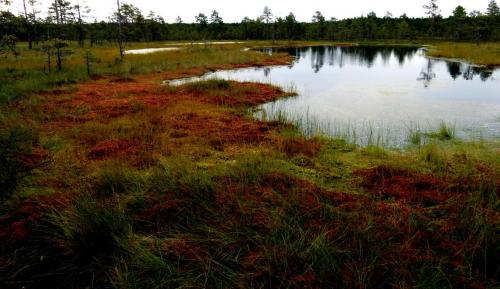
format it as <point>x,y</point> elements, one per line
<point>378,95</point>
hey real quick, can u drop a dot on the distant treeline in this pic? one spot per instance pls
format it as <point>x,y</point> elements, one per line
<point>461,26</point>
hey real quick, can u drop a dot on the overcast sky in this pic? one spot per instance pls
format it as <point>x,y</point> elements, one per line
<point>234,10</point>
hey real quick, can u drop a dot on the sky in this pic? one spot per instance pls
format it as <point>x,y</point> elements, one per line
<point>234,10</point>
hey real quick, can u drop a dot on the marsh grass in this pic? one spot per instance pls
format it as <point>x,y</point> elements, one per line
<point>434,155</point>
<point>249,169</point>
<point>16,142</point>
<point>182,176</point>
<point>445,132</point>
<point>415,138</point>
<point>94,232</point>
<point>147,270</point>
<point>91,236</point>
<point>363,134</point>
<point>293,144</point>
<point>75,246</point>
<point>116,178</point>
<point>297,210</point>
<point>208,85</point>
<point>487,54</point>
<point>28,74</point>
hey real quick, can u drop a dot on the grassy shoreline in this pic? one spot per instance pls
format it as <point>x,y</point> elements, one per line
<point>120,182</point>
<point>486,54</point>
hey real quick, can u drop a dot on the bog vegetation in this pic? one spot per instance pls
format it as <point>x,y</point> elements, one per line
<point>111,179</point>
<point>118,181</point>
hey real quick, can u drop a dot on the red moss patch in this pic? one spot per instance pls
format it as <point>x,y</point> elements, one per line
<point>18,224</point>
<point>404,185</point>
<point>180,249</point>
<point>300,145</point>
<point>122,80</point>
<point>251,94</point>
<point>220,130</point>
<point>235,94</point>
<point>34,159</point>
<point>307,280</point>
<point>113,148</point>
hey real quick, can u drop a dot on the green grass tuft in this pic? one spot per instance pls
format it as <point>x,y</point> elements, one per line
<point>16,141</point>
<point>115,178</point>
<point>208,85</point>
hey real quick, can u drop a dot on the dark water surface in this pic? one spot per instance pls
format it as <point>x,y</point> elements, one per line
<point>380,94</point>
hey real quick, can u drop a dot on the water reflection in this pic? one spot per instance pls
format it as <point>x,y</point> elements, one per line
<point>454,68</point>
<point>471,71</point>
<point>360,55</point>
<point>379,92</point>
<point>457,69</point>
<point>401,53</point>
<point>427,75</point>
<point>267,71</point>
<point>367,55</point>
<point>318,59</point>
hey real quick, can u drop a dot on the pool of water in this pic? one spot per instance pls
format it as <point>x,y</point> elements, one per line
<point>150,50</point>
<point>177,46</point>
<point>379,94</point>
<point>205,43</point>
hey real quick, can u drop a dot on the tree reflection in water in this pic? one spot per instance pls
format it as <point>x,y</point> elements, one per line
<point>267,71</point>
<point>367,55</point>
<point>427,75</point>
<point>468,71</point>
<point>454,69</point>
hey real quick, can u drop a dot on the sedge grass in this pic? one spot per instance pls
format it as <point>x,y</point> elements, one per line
<point>487,54</point>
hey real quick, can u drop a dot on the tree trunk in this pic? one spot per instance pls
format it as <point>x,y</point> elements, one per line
<point>28,26</point>
<point>120,36</point>
<point>49,60</point>
<point>59,60</point>
<point>56,8</point>
<point>88,60</point>
<point>81,35</point>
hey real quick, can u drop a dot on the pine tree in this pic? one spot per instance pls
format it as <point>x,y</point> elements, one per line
<point>27,23</point>
<point>267,15</point>
<point>120,31</point>
<point>459,12</point>
<point>318,17</point>
<point>319,21</point>
<point>202,21</point>
<point>62,12</point>
<point>215,18</point>
<point>432,9</point>
<point>81,13</point>
<point>216,24</point>
<point>493,9</point>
